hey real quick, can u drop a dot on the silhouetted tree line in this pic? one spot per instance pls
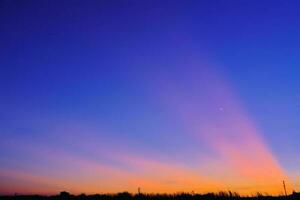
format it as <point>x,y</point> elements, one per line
<point>178,196</point>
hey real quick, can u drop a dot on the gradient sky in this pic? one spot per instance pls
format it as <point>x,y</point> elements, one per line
<point>169,96</point>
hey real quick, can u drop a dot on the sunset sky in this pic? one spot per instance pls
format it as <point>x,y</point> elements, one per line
<point>168,96</point>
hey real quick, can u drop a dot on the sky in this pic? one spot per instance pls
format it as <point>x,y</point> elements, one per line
<point>168,96</point>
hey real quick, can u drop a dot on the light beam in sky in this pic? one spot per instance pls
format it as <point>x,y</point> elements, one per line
<point>193,94</point>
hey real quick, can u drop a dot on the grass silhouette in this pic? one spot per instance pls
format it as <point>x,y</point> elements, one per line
<point>141,196</point>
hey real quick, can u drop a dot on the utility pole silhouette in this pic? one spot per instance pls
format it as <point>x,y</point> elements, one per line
<point>139,190</point>
<point>284,188</point>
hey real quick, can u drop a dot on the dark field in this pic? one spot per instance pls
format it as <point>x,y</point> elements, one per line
<point>128,196</point>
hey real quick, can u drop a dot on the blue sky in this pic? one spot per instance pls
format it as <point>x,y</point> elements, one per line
<point>130,75</point>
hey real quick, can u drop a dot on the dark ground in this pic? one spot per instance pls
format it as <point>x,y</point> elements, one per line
<point>128,196</point>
